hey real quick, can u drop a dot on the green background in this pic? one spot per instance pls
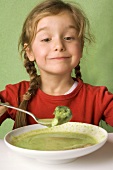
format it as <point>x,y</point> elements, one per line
<point>97,61</point>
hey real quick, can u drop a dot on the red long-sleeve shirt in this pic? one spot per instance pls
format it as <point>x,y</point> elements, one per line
<point>88,103</point>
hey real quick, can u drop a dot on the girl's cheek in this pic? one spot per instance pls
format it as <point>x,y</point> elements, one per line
<point>79,48</point>
<point>40,54</point>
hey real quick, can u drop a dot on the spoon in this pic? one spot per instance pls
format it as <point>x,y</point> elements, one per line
<point>45,122</point>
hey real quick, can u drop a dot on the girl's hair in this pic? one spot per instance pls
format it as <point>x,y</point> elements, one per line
<point>46,8</point>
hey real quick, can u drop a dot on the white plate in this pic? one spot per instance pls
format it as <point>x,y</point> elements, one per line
<point>57,157</point>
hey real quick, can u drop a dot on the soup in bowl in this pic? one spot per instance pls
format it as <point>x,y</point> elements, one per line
<point>58,144</point>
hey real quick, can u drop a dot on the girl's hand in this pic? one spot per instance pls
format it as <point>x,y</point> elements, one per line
<point>3,109</point>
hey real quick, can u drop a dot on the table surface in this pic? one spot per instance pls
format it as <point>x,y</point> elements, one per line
<point>98,160</point>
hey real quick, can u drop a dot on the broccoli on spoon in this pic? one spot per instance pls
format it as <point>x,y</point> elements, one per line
<point>62,115</point>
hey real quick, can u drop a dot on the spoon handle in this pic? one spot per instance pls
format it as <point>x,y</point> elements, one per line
<point>21,110</point>
<point>45,122</point>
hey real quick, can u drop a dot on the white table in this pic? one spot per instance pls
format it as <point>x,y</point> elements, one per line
<point>101,159</point>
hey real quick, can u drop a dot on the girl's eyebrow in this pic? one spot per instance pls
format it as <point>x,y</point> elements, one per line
<point>71,27</point>
<point>47,28</point>
<point>42,29</point>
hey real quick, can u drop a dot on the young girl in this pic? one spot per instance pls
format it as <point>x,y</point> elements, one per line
<point>53,38</point>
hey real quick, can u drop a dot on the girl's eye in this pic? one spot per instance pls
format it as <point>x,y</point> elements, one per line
<point>46,40</point>
<point>69,38</point>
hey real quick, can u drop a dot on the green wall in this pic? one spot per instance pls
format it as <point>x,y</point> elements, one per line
<point>97,62</point>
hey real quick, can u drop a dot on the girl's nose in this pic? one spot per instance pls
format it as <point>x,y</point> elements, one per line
<point>59,45</point>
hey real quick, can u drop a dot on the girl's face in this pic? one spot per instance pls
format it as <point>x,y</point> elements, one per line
<point>56,47</point>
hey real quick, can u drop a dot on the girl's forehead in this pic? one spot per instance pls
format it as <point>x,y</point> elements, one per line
<point>64,19</point>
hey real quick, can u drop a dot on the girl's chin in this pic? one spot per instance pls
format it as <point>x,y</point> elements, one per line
<point>60,72</point>
<point>56,70</point>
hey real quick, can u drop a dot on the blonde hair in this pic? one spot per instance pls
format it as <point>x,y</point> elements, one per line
<point>46,8</point>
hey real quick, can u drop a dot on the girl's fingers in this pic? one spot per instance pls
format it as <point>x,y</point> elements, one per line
<point>2,110</point>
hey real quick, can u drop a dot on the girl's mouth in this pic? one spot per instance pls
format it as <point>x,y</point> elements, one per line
<point>60,58</point>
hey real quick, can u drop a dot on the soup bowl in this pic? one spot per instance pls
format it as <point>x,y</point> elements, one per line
<point>57,156</point>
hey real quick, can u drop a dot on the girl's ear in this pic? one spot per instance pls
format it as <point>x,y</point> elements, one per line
<point>82,47</point>
<point>29,52</point>
<point>82,43</point>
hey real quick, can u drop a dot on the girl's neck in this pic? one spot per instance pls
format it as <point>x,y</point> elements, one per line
<point>56,85</point>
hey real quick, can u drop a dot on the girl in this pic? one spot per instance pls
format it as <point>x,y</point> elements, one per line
<point>53,38</point>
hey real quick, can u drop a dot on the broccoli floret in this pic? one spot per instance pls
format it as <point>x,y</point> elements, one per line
<point>62,115</point>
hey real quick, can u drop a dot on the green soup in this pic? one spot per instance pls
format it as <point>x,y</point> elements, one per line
<point>52,141</point>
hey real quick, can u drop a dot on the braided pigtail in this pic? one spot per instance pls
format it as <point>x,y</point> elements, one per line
<point>34,85</point>
<point>77,72</point>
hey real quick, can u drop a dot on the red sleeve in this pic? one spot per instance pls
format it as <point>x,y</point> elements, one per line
<point>13,94</point>
<point>105,100</point>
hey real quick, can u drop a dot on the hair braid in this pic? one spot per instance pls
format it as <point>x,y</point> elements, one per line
<point>77,72</point>
<point>34,85</point>
<point>34,78</point>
